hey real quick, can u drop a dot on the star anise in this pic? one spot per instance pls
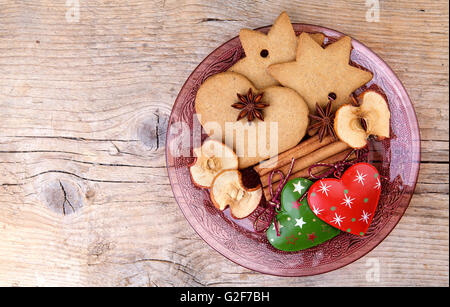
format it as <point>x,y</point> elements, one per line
<point>323,121</point>
<point>250,106</point>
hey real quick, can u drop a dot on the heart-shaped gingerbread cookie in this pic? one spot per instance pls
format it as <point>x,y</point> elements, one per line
<point>348,203</point>
<point>284,123</point>
<point>299,227</point>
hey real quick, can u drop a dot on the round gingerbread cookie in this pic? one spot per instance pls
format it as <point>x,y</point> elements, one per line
<point>282,126</point>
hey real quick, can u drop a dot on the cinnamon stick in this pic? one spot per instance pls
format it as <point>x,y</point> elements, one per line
<point>302,149</point>
<point>312,132</point>
<point>304,173</point>
<point>308,160</point>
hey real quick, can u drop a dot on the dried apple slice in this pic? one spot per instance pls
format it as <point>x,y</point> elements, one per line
<point>373,109</point>
<point>228,190</point>
<point>347,124</point>
<point>211,158</point>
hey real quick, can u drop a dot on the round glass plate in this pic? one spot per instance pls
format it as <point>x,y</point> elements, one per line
<point>397,159</point>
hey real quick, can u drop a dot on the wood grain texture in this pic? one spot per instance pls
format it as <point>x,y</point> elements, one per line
<point>84,194</point>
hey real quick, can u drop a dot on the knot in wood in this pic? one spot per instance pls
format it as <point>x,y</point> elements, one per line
<point>63,197</point>
<point>152,131</point>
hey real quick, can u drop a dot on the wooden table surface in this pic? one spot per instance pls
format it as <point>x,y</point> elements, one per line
<point>86,89</point>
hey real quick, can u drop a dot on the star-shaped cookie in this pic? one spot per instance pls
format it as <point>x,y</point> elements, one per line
<point>317,72</point>
<point>262,50</point>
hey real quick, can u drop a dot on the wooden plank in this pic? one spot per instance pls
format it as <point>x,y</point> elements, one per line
<point>83,112</point>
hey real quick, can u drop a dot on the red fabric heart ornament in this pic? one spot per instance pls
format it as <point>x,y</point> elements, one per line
<point>348,203</point>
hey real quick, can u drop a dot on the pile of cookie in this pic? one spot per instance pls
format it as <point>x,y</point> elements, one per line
<point>298,91</point>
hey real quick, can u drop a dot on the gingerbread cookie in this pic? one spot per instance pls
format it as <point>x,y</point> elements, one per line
<point>256,127</point>
<point>263,50</point>
<point>318,73</point>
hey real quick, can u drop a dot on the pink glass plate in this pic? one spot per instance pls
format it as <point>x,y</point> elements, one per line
<point>397,159</point>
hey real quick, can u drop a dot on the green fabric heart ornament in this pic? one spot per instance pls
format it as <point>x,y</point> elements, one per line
<point>298,225</point>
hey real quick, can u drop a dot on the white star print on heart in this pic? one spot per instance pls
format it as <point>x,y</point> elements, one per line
<point>300,222</point>
<point>365,217</point>
<point>347,201</point>
<point>298,187</point>
<point>338,219</point>
<point>378,184</point>
<point>324,188</point>
<point>360,178</point>
<point>317,211</point>
<point>279,226</point>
